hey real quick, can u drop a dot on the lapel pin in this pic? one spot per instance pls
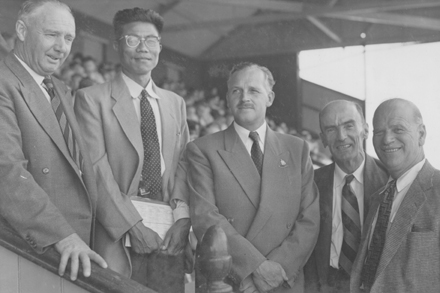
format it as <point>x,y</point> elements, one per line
<point>283,163</point>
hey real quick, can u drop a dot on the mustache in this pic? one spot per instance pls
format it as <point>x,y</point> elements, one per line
<point>246,105</point>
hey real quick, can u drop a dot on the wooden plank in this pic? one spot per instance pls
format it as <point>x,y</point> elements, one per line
<point>8,271</point>
<point>101,280</point>
<point>33,279</point>
<point>69,287</point>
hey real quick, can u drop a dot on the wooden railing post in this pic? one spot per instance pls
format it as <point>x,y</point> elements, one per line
<point>213,262</point>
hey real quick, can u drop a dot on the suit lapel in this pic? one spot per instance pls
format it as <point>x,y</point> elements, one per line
<point>373,181</point>
<point>274,181</point>
<point>126,114</point>
<point>407,212</point>
<point>167,122</point>
<point>324,181</point>
<point>241,165</point>
<point>40,106</point>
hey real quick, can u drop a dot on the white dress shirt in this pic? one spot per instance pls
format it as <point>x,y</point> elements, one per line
<point>403,183</point>
<point>182,209</point>
<point>357,187</point>
<point>243,133</point>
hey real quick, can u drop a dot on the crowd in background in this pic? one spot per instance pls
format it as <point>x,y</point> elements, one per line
<point>206,111</point>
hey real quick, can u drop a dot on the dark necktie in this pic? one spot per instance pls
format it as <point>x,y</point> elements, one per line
<point>351,224</point>
<point>66,130</point>
<point>150,185</point>
<point>378,238</point>
<point>256,153</point>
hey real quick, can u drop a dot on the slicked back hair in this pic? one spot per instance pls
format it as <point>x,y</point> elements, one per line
<point>29,7</point>
<point>242,65</point>
<point>125,16</point>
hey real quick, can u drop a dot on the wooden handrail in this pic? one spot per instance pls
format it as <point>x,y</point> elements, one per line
<point>100,281</point>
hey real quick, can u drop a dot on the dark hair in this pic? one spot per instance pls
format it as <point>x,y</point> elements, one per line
<point>246,64</point>
<point>125,16</point>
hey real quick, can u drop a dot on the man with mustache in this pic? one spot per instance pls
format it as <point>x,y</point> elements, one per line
<point>346,185</point>
<point>47,185</point>
<point>136,133</point>
<point>400,249</point>
<point>258,186</point>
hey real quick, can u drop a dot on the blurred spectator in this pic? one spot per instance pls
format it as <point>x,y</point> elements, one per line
<point>91,69</point>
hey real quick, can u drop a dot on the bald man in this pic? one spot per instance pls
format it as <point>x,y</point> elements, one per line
<point>400,248</point>
<point>343,131</point>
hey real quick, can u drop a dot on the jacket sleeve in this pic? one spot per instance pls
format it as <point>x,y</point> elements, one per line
<point>204,213</point>
<point>115,211</point>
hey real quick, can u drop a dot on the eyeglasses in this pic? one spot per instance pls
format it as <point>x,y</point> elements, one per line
<point>151,42</point>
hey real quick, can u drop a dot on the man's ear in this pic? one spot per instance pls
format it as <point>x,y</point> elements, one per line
<point>323,139</point>
<point>422,134</point>
<point>271,97</point>
<point>366,131</point>
<point>21,30</point>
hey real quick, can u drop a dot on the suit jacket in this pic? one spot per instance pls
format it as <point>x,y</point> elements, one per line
<point>316,269</point>
<point>410,260</point>
<point>42,193</point>
<point>111,130</point>
<point>279,221</point>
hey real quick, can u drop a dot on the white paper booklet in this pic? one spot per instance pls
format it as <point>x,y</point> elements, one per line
<point>156,215</point>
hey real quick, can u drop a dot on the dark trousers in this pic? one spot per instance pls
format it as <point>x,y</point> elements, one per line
<point>160,272</point>
<point>338,281</point>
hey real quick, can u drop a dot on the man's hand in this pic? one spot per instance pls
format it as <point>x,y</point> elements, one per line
<point>144,240</point>
<point>177,237</point>
<point>74,248</point>
<point>248,286</point>
<point>268,276</point>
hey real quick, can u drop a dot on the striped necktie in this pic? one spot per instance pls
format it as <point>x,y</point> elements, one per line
<point>69,136</point>
<point>256,153</point>
<point>378,239</point>
<point>351,226</point>
<point>150,185</point>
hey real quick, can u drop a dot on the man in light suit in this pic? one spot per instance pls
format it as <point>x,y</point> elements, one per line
<point>268,206</point>
<point>110,117</point>
<point>400,249</point>
<point>343,131</point>
<point>47,193</point>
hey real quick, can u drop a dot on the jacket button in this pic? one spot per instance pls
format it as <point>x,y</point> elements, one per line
<point>289,226</point>
<point>45,170</point>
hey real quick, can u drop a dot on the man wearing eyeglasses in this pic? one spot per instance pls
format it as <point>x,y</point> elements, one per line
<point>136,133</point>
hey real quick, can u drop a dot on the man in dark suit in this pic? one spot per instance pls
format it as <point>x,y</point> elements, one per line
<point>258,186</point>
<point>400,249</point>
<point>343,131</point>
<point>47,186</point>
<point>111,117</point>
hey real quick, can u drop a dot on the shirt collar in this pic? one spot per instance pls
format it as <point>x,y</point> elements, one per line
<point>38,78</point>
<point>358,174</point>
<point>409,176</point>
<point>243,133</point>
<point>135,89</point>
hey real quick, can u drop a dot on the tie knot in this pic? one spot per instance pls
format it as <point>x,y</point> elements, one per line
<point>48,82</point>
<point>144,94</point>
<point>254,136</point>
<point>349,178</point>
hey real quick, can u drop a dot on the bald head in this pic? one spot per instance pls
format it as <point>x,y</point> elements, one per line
<point>399,135</point>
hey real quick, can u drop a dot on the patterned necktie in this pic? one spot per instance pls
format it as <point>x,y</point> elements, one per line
<point>351,224</point>
<point>378,238</point>
<point>66,130</point>
<point>151,182</point>
<point>256,153</point>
